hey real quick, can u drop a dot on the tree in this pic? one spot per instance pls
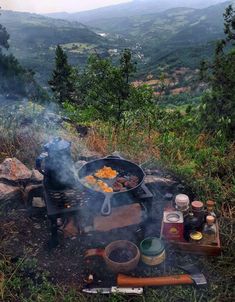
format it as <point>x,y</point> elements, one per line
<point>106,87</point>
<point>218,104</point>
<point>4,37</point>
<point>63,78</point>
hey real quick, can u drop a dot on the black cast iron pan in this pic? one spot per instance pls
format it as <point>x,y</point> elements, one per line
<point>124,167</point>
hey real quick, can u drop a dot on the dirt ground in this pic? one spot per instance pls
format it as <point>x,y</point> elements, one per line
<point>24,238</point>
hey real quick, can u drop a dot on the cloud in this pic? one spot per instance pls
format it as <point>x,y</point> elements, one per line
<point>46,6</point>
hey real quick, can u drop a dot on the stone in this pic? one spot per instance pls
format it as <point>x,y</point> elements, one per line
<point>31,191</point>
<point>36,176</point>
<point>9,196</point>
<point>38,202</point>
<point>13,170</point>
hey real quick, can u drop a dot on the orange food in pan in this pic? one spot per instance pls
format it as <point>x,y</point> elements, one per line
<point>106,172</point>
<point>90,180</point>
<point>104,187</point>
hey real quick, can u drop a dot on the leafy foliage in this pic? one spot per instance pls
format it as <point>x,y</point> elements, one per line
<point>218,108</point>
<point>14,79</point>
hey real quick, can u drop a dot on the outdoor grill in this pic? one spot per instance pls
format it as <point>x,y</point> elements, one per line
<point>66,196</point>
<point>64,203</point>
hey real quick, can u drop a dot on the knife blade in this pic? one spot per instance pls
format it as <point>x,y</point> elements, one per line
<point>114,289</point>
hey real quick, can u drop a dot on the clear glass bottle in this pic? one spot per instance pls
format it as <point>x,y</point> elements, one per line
<point>210,209</point>
<point>182,204</point>
<point>209,231</point>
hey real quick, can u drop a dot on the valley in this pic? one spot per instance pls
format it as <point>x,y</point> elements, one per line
<point>163,42</point>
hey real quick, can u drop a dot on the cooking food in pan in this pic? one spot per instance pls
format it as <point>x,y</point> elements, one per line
<point>108,180</point>
<point>106,172</point>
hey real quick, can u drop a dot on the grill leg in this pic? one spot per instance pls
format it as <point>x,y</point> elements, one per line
<point>53,242</point>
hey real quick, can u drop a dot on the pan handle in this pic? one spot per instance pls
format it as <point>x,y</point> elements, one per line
<point>106,207</point>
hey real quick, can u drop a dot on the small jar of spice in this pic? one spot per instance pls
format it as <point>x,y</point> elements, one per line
<point>152,251</point>
<point>198,211</point>
<point>182,203</point>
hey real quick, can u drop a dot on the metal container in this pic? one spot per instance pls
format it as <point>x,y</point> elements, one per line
<point>196,237</point>
<point>152,251</point>
<point>173,225</point>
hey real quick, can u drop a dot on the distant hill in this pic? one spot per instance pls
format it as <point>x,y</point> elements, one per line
<point>175,37</point>
<point>33,39</point>
<point>134,8</point>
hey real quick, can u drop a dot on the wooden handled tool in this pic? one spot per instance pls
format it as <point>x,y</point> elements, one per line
<point>127,281</point>
<point>195,277</point>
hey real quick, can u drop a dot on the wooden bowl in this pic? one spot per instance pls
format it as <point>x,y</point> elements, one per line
<point>122,267</point>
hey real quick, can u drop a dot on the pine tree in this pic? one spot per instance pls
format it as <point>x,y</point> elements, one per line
<point>62,82</point>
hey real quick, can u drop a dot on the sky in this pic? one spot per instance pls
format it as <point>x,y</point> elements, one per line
<point>48,6</point>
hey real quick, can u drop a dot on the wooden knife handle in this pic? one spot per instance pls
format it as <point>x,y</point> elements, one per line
<point>94,252</point>
<point>127,281</point>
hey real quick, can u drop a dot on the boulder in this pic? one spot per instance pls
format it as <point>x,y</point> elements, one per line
<point>14,171</point>
<point>8,195</point>
<point>36,176</point>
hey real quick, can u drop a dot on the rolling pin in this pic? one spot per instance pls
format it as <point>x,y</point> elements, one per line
<point>128,281</point>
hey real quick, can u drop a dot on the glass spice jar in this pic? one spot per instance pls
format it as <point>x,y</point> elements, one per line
<point>198,211</point>
<point>210,209</point>
<point>182,203</point>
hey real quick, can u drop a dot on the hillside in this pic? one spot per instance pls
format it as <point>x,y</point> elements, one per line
<point>136,7</point>
<point>166,40</point>
<point>33,39</point>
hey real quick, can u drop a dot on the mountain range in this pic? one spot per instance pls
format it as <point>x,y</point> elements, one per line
<point>136,7</point>
<point>161,40</point>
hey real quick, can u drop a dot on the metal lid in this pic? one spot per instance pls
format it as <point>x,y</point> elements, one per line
<point>196,236</point>
<point>57,144</point>
<point>152,246</point>
<point>173,217</point>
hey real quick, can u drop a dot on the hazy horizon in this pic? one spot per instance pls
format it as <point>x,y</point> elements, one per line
<point>52,6</point>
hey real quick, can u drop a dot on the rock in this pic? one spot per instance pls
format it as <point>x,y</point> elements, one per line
<point>38,202</point>
<point>14,171</point>
<point>36,176</point>
<point>31,191</point>
<point>9,195</point>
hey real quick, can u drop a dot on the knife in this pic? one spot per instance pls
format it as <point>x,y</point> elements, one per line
<point>114,289</point>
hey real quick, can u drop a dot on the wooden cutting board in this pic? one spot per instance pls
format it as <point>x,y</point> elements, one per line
<point>121,217</point>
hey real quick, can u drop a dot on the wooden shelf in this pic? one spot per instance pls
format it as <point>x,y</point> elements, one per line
<point>199,249</point>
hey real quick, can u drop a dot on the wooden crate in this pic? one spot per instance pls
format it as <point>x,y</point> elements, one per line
<point>199,249</point>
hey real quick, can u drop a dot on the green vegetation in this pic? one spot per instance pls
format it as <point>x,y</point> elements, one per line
<point>194,140</point>
<point>34,39</point>
<point>62,82</point>
<point>14,79</point>
<point>218,106</point>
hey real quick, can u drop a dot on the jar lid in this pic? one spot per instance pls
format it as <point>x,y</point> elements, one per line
<point>197,205</point>
<point>196,236</point>
<point>210,219</point>
<point>152,246</point>
<point>173,217</point>
<point>210,203</point>
<point>182,200</point>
